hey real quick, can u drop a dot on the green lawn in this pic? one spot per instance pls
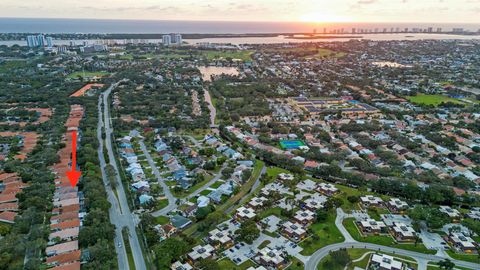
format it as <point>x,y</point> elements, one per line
<point>77,74</point>
<point>162,220</point>
<point>384,240</point>
<point>227,264</point>
<point>295,264</point>
<point>464,257</point>
<point>160,204</point>
<point>276,211</point>
<point>328,53</point>
<point>275,171</point>
<point>244,55</point>
<point>327,234</point>
<point>217,184</point>
<point>434,100</point>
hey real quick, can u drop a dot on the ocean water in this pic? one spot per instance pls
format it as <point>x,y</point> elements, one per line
<point>31,25</point>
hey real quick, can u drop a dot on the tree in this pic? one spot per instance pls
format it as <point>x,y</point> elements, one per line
<point>169,250</point>
<point>353,199</point>
<point>248,232</point>
<point>322,215</point>
<point>446,264</point>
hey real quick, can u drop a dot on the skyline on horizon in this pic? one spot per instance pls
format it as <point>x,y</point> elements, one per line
<point>311,11</point>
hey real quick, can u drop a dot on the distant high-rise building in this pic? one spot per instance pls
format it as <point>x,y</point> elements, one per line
<point>354,30</point>
<point>32,41</point>
<point>324,30</point>
<point>41,40</point>
<point>49,42</point>
<point>178,39</point>
<point>406,29</point>
<point>314,30</point>
<point>439,30</point>
<point>430,29</point>
<point>166,40</point>
<point>457,30</point>
<point>37,41</point>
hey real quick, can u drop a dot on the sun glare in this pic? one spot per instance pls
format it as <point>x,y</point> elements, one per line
<point>319,17</point>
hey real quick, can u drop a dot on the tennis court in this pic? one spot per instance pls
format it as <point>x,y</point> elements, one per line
<point>291,144</point>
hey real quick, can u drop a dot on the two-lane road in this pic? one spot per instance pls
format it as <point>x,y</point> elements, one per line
<point>120,214</point>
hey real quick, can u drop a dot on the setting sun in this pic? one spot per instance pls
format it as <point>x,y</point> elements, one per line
<point>319,17</point>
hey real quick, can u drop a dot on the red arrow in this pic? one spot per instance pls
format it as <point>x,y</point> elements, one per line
<point>73,175</point>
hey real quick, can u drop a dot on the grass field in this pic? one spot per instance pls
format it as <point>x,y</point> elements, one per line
<point>275,171</point>
<point>327,234</point>
<point>328,53</point>
<point>464,257</point>
<point>244,55</point>
<point>77,74</point>
<point>434,100</point>
<point>227,264</point>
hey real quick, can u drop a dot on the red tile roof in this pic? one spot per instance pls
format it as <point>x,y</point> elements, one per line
<point>72,266</point>
<point>64,258</point>
<point>8,217</point>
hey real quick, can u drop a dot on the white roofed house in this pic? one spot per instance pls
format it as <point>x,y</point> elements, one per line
<point>384,262</point>
<point>304,217</point>
<point>462,243</point>
<point>452,213</point>
<point>180,266</point>
<point>271,258</point>
<point>315,202</point>
<point>403,232</point>
<point>474,213</point>
<point>327,189</point>
<point>371,226</point>
<point>201,252</point>
<point>257,202</point>
<point>219,238</point>
<point>371,201</point>
<point>285,177</point>
<point>244,213</point>
<point>294,231</point>
<point>396,205</point>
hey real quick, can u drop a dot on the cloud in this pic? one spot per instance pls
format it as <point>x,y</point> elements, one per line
<point>366,2</point>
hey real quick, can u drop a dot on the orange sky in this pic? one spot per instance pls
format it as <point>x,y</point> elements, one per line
<point>442,11</point>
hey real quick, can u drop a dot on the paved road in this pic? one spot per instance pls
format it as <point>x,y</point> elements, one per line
<point>339,224</point>
<point>421,258</point>
<point>252,190</point>
<point>114,211</point>
<point>166,190</point>
<point>321,253</point>
<point>120,214</point>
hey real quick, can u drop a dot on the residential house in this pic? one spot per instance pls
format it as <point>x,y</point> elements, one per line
<point>294,231</point>
<point>371,226</point>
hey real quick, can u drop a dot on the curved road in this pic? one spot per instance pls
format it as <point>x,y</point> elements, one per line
<point>316,257</point>
<point>166,190</point>
<point>421,258</point>
<point>122,216</point>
